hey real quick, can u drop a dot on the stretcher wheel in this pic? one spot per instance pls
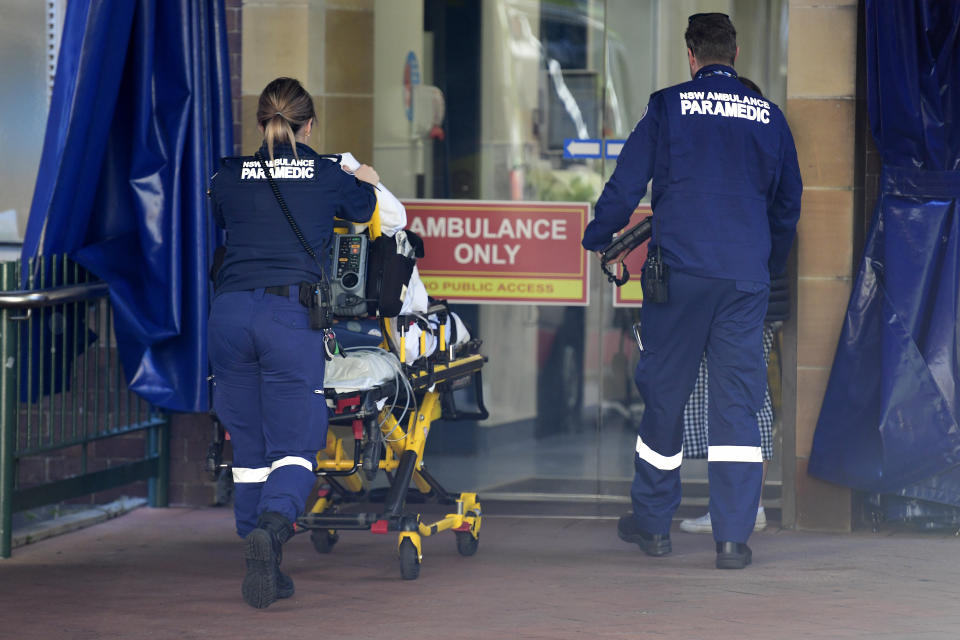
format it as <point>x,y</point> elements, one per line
<point>466,543</point>
<point>323,540</point>
<point>409,561</point>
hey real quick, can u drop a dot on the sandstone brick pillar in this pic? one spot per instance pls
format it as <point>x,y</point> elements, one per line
<point>328,46</point>
<point>821,110</point>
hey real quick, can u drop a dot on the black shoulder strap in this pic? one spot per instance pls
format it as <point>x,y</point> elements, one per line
<point>286,211</point>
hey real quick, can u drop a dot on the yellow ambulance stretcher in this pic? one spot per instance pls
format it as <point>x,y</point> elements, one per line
<point>383,428</point>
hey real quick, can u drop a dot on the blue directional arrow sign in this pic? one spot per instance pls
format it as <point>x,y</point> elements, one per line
<point>591,148</point>
<point>581,148</point>
<point>614,147</point>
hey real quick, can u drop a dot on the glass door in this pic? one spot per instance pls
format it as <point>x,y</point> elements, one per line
<point>479,101</point>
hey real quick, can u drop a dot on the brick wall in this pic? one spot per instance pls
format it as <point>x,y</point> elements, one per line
<point>234,12</point>
<point>190,484</point>
<point>79,412</point>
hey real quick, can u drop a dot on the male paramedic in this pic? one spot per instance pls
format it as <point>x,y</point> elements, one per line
<point>726,199</point>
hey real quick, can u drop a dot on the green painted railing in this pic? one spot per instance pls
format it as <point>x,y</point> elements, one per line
<point>62,389</point>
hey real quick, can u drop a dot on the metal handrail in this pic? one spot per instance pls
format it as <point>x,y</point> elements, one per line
<point>30,298</point>
<point>62,387</point>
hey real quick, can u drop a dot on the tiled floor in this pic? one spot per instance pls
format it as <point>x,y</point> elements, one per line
<point>175,573</point>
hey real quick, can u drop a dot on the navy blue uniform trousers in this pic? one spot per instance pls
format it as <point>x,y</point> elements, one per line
<point>725,319</point>
<point>268,392</point>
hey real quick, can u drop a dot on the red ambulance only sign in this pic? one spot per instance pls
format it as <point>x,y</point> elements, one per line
<point>486,251</point>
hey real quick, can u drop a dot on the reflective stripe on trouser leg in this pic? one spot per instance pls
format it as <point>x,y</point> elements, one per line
<point>655,491</point>
<point>290,487</point>
<point>247,487</point>
<point>292,460</point>
<point>250,476</point>
<point>664,463</point>
<point>294,406</point>
<point>727,453</point>
<point>737,382</point>
<point>736,478</point>
<point>269,395</point>
<point>261,474</point>
<point>287,490</point>
<point>236,400</point>
<point>674,335</point>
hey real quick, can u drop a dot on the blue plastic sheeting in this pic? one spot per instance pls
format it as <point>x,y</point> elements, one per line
<point>140,115</point>
<point>889,422</point>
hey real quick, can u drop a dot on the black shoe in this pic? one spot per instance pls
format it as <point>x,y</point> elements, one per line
<point>653,544</point>
<point>259,587</point>
<point>284,585</point>
<point>733,555</point>
<point>263,552</point>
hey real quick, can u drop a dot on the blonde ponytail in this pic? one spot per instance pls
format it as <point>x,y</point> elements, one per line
<point>284,107</point>
<point>276,129</point>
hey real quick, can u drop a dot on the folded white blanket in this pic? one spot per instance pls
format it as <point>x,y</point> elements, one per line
<point>360,370</point>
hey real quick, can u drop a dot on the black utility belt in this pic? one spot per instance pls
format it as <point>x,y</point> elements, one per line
<point>304,289</point>
<point>282,290</point>
<point>315,296</point>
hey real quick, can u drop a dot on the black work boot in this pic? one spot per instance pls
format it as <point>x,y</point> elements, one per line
<point>733,555</point>
<point>284,585</point>
<point>653,544</point>
<point>263,551</point>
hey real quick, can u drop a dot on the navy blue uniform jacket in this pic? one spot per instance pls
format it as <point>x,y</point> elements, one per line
<point>726,184</point>
<point>262,250</point>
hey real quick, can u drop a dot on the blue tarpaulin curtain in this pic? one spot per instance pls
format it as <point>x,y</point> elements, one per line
<point>889,422</point>
<point>140,115</point>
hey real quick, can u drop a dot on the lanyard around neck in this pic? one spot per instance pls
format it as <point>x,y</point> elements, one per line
<point>715,72</point>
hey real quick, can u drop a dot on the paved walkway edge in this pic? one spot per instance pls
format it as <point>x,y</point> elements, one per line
<point>79,520</point>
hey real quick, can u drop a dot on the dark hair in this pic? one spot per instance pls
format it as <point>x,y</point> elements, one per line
<point>712,38</point>
<point>284,107</point>
<point>750,84</point>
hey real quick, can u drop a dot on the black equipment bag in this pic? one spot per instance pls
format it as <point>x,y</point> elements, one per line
<point>388,272</point>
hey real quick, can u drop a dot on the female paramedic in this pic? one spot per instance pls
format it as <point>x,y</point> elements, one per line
<point>267,362</point>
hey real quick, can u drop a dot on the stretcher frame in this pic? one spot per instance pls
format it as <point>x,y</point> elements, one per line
<point>381,442</point>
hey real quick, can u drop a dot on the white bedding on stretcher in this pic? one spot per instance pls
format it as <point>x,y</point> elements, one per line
<point>360,370</point>
<point>369,367</point>
<point>412,342</point>
<point>393,218</point>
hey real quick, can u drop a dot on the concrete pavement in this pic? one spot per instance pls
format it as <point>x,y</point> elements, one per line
<point>175,573</point>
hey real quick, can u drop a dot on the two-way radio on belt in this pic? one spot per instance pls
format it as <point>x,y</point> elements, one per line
<point>621,246</point>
